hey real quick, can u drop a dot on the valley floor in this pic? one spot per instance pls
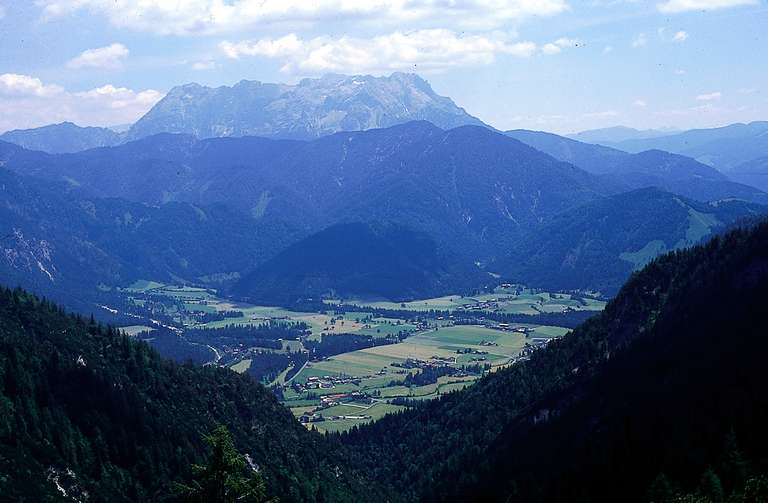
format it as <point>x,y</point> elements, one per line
<point>353,361</point>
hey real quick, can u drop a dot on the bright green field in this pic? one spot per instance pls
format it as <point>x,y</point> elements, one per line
<point>507,301</point>
<point>376,411</point>
<point>438,343</point>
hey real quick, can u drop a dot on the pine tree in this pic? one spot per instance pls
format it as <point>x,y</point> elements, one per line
<point>227,477</point>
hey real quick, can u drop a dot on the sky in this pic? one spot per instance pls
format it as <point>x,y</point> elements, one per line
<point>553,65</point>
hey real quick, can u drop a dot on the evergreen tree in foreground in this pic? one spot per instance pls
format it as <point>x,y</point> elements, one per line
<point>227,477</point>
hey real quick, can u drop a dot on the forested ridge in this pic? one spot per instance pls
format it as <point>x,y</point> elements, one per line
<point>89,409</point>
<point>652,389</point>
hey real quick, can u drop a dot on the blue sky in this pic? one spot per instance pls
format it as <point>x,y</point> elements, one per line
<point>556,65</point>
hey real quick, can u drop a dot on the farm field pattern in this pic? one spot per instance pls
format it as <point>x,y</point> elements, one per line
<point>337,392</point>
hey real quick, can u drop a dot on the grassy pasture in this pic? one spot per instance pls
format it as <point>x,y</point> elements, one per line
<point>511,301</point>
<point>242,366</point>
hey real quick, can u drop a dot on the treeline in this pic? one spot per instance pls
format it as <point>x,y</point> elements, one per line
<point>570,319</point>
<point>267,365</point>
<point>204,317</point>
<point>265,335</point>
<point>177,347</point>
<point>430,375</point>
<point>330,345</point>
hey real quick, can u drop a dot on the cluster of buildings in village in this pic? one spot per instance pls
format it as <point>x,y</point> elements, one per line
<point>327,401</point>
<point>326,382</point>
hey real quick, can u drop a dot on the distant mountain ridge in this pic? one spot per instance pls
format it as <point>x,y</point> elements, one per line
<point>478,195</point>
<point>619,133</point>
<point>309,109</point>
<point>652,168</point>
<point>724,147</point>
<point>62,138</point>
<point>468,185</point>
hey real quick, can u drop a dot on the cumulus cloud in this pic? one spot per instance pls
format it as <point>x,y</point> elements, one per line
<point>676,6</point>
<point>192,17</point>
<point>108,57</point>
<point>423,50</point>
<point>558,45</point>
<point>680,36</point>
<point>640,103</point>
<point>13,84</point>
<point>709,96</point>
<point>27,102</point>
<point>639,41</point>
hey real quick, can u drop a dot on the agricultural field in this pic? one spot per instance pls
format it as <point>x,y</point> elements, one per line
<point>379,373</point>
<point>509,300</point>
<point>406,356</point>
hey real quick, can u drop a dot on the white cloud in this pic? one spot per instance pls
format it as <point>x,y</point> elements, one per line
<point>272,48</point>
<point>639,41</point>
<point>13,84</point>
<point>710,96</point>
<point>640,103</point>
<point>680,71</point>
<point>607,49</point>
<point>2,12</point>
<point>680,36</point>
<point>111,56</point>
<point>675,6</point>
<point>191,17</point>
<point>422,50</point>
<point>558,45</point>
<point>550,49</point>
<point>27,102</point>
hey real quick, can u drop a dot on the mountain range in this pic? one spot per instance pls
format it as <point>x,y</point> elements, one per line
<point>672,172</point>
<point>469,188</point>
<point>343,151</point>
<point>309,109</point>
<point>62,138</point>
<point>724,148</point>
<point>619,133</point>
<point>159,207</point>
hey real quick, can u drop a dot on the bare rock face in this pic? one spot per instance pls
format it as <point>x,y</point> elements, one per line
<point>309,109</point>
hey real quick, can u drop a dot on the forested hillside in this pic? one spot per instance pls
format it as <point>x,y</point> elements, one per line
<point>88,409</point>
<point>375,260</point>
<point>662,390</point>
<point>599,244</point>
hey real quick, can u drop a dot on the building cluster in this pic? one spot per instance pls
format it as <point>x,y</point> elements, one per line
<point>326,382</point>
<point>435,361</point>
